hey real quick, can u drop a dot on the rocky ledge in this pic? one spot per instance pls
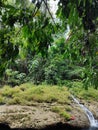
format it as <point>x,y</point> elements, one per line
<point>40,117</point>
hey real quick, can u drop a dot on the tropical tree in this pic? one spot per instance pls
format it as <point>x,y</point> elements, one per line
<point>26,30</point>
<point>82,46</point>
<point>23,28</point>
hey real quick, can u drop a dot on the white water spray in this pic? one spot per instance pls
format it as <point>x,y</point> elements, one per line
<point>93,122</point>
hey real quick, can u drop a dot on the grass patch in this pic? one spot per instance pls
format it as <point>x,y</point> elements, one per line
<point>2,101</point>
<point>79,91</point>
<point>62,112</point>
<point>65,115</point>
<point>28,93</point>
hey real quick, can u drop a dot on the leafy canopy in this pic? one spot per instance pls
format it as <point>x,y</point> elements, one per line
<point>24,27</point>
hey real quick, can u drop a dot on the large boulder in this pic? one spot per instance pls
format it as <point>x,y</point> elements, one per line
<point>40,116</point>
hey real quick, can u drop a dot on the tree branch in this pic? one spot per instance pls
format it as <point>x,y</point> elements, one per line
<point>49,11</point>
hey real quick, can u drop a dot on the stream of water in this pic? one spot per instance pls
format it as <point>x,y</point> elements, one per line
<point>92,120</point>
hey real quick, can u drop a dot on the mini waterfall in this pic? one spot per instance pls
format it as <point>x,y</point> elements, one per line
<point>93,122</point>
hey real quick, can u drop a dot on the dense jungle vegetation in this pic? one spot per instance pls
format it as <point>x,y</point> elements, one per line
<point>36,47</point>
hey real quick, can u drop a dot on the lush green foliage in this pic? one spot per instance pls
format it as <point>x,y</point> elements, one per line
<point>22,30</point>
<point>82,42</point>
<point>33,46</point>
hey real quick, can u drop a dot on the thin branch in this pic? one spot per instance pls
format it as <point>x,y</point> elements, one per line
<point>37,8</point>
<point>49,11</point>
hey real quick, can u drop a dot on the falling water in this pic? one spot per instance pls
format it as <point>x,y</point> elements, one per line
<point>93,122</point>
